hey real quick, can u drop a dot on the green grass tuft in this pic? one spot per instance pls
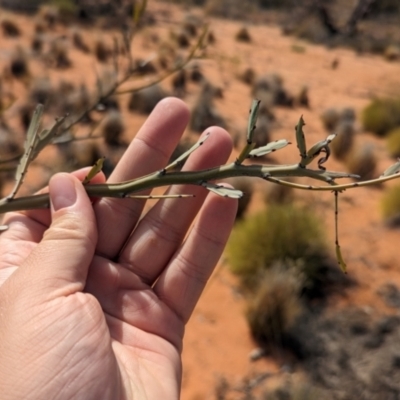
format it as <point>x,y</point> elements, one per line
<point>381,115</point>
<point>280,233</point>
<point>391,204</point>
<point>393,142</point>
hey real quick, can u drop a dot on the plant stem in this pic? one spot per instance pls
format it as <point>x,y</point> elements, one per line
<point>164,178</point>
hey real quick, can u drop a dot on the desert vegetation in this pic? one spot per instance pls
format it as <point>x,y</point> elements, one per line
<point>107,70</point>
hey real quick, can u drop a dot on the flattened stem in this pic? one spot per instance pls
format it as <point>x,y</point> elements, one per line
<point>251,126</point>
<point>339,256</point>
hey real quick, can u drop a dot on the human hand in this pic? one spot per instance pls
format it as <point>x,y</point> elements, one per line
<point>94,300</point>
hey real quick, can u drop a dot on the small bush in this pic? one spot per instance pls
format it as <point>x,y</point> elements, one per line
<point>248,76</point>
<point>19,64</point>
<point>381,115</point>
<point>393,142</point>
<point>383,7</point>
<point>362,161</point>
<point>79,41</point>
<point>392,53</point>
<point>74,101</point>
<point>302,98</point>
<point>102,51</point>
<point>181,38</point>
<point>343,143</point>
<point>348,114</point>
<point>179,83</point>
<point>41,91</point>
<point>278,194</point>
<point>204,113</point>
<point>243,35</point>
<point>10,28</point>
<point>246,186</point>
<point>37,43</point>
<point>330,118</point>
<point>391,205</point>
<point>281,232</point>
<point>196,75</point>
<point>58,54</point>
<point>274,307</point>
<point>67,9</point>
<point>143,101</point>
<point>113,128</point>
<point>262,132</point>
<point>232,9</point>
<point>270,90</point>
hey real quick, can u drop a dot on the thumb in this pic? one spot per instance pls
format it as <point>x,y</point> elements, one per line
<point>61,260</point>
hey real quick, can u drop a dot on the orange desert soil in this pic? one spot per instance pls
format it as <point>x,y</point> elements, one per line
<point>217,342</point>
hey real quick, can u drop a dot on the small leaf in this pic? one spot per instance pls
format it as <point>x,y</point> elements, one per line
<point>251,126</point>
<point>96,168</point>
<point>269,148</point>
<point>337,175</point>
<point>393,169</point>
<point>316,150</point>
<point>340,260</point>
<point>300,139</point>
<point>223,191</point>
<point>187,153</point>
<point>46,137</point>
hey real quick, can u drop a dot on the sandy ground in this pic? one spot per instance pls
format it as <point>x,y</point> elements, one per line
<point>217,342</point>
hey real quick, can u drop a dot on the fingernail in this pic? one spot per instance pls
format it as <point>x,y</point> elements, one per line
<point>62,192</point>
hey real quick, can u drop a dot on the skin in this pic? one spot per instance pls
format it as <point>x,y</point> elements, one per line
<point>94,302</point>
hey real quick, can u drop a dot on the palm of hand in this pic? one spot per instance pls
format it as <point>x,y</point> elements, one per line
<point>112,327</point>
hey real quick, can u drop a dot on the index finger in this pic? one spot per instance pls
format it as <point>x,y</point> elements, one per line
<point>148,152</point>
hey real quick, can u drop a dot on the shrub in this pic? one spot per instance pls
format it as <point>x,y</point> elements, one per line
<point>392,53</point>
<point>19,64</point>
<point>41,91</point>
<point>262,132</point>
<point>281,232</point>
<point>330,118</point>
<point>229,8</point>
<point>362,161</point>
<point>79,41</point>
<point>67,9</point>
<point>196,75</point>
<point>393,142</point>
<point>270,90</point>
<point>348,114</point>
<point>391,205</point>
<point>58,54</point>
<point>248,76</point>
<point>181,38</point>
<point>113,128</point>
<point>342,145</point>
<point>74,101</point>
<point>274,307</point>
<point>246,186</point>
<point>179,83</point>
<point>381,115</point>
<point>10,28</point>
<point>37,43</point>
<point>243,35</point>
<point>143,101</point>
<point>278,194</point>
<point>204,113</point>
<point>302,98</point>
<point>102,51</point>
